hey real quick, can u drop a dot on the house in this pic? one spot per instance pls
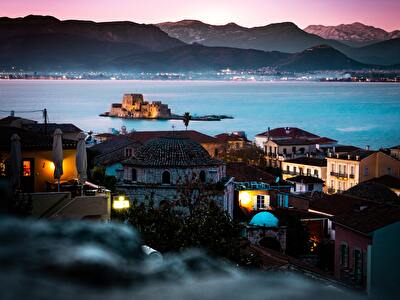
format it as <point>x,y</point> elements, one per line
<point>395,151</point>
<point>111,153</point>
<point>366,248</point>
<point>305,184</point>
<point>349,169</point>
<point>325,144</point>
<point>38,168</point>
<point>255,189</point>
<point>308,166</point>
<point>234,141</point>
<point>283,133</point>
<point>213,146</point>
<point>167,169</point>
<point>13,121</point>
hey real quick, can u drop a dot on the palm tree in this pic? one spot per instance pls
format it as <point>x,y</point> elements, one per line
<point>186,119</point>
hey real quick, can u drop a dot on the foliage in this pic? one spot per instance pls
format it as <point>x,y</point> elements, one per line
<point>186,119</point>
<point>99,177</point>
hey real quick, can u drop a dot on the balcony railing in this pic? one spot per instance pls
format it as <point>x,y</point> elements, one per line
<point>351,176</point>
<point>340,175</point>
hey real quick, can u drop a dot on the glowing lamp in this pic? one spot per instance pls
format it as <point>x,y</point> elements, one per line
<point>244,198</point>
<point>121,203</point>
<point>52,166</point>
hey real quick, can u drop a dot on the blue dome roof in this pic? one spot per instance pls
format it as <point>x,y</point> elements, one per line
<point>265,219</point>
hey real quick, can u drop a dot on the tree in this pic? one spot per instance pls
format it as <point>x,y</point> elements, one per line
<point>186,119</point>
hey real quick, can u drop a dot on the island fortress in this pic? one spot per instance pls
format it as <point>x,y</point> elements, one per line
<point>134,106</point>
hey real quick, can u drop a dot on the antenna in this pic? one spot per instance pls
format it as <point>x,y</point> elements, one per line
<point>45,120</point>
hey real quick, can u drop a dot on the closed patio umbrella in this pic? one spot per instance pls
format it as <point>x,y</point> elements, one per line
<point>15,161</point>
<point>58,155</point>
<point>81,158</point>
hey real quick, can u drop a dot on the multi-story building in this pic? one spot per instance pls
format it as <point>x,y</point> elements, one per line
<point>347,170</point>
<point>308,166</point>
<point>234,141</point>
<point>283,133</point>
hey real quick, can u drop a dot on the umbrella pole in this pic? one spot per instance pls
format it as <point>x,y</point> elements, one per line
<point>58,184</point>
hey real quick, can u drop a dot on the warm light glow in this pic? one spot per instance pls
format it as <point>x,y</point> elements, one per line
<point>52,166</point>
<point>121,203</point>
<point>26,168</point>
<point>244,198</point>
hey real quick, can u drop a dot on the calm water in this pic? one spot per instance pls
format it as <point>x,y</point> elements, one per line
<point>353,113</point>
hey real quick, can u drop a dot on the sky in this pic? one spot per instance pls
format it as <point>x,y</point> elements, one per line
<point>379,13</point>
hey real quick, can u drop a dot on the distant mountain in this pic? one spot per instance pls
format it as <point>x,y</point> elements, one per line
<point>199,58</point>
<point>147,36</point>
<point>283,37</point>
<point>355,34</point>
<point>319,58</point>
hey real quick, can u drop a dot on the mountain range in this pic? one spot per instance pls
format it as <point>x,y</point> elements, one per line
<point>39,43</point>
<point>355,34</point>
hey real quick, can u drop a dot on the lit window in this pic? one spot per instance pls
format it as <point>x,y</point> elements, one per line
<point>2,168</point>
<point>260,201</point>
<point>27,168</point>
<point>308,172</point>
<point>316,173</point>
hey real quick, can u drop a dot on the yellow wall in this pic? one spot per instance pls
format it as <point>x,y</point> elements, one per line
<point>321,170</point>
<point>248,198</point>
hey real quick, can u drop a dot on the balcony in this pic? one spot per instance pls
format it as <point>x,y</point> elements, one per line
<point>351,176</point>
<point>339,175</point>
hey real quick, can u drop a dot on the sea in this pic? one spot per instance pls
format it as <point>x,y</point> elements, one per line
<point>357,114</point>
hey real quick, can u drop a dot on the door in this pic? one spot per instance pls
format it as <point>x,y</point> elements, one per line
<point>28,175</point>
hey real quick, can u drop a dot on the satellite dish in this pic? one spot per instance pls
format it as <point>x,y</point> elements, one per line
<point>277,179</point>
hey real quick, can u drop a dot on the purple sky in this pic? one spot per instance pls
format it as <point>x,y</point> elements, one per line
<point>379,13</point>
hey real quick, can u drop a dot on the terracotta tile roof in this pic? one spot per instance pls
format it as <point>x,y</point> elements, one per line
<point>387,180</point>
<point>335,204</point>
<point>288,132</point>
<point>305,179</point>
<point>310,161</point>
<point>360,153</point>
<point>294,142</point>
<point>51,127</point>
<point>30,140</point>
<point>368,218</point>
<point>344,148</point>
<point>373,191</point>
<point>201,138</point>
<point>172,152</point>
<point>226,137</point>
<point>247,173</point>
<point>325,140</point>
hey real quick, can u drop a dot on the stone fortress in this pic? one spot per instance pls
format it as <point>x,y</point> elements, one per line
<point>134,106</point>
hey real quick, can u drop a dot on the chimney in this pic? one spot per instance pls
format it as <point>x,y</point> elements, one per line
<point>329,154</point>
<point>337,155</point>
<point>367,147</point>
<point>357,157</point>
<point>348,156</point>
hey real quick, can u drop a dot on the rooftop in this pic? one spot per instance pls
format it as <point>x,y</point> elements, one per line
<point>310,161</point>
<point>369,218</point>
<point>243,172</point>
<point>172,152</point>
<point>325,140</point>
<point>49,128</point>
<point>29,140</point>
<point>201,138</point>
<point>344,148</point>
<point>288,132</point>
<point>373,191</point>
<point>226,137</point>
<point>387,180</point>
<point>294,141</point>
<point>354,155</point>
<point>305,179</point>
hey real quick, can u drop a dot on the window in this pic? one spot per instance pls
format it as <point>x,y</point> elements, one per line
<point>308,172</point>
<point>166,177</point>
<point>294,149</point>
<point>128,152</point>
<point>344,169</point>
<point>332,167</point>
<point>357,265</point>
<point>27,171</point>
<point>310,187</point>
<point>283,200</point>
<point>340,169</point>
<point>294,170</point>
<point>134,174</point>
<point>352,170</point>
<point>202,176</point>
<point>288,169</point>
<point>284,151</point>
<point>366,171</point>
<point>301,171</point>
<point>2,169</point>
<point>215,152</point>
<point>344,255</point>
<point>389,171</point>
<point>332,184</point>
<point>316,173</point>
<point>260,201</point>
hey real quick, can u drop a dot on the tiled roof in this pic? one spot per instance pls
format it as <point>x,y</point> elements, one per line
<point>30,140</point>
<point>247,173</point>
<point>324,140</point>
<point>310,161</point>
<point>172,152</point>
<point>335,204</point>
<point>226,137</point>
<point>51,127</point>
<point>305,179</point>
<point>368,218</point>
<point>360,154</point>
<point>288,132</point>
<point>373,191</point>
<point>345,148</point>
<point>387,180</point>
<point>294,141</point>
<point>201,138</point>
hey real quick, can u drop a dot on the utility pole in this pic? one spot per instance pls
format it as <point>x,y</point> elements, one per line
<point>45,120</point>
